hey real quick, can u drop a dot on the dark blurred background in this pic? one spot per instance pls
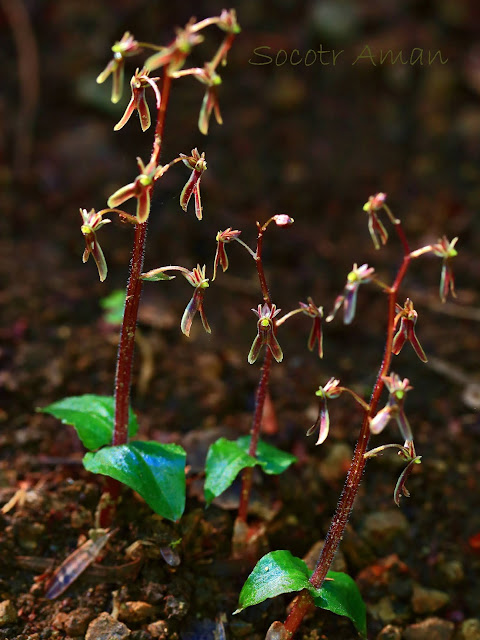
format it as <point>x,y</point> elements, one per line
<point>312,140</point>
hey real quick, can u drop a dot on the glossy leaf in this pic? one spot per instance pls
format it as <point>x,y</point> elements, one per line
<point>280,572</point>
<point>225,459</point>
<point>341,596</point>
<point>272,460</point>
<point>92,416</point>
<point>276,573</point>
<point>156,471</point>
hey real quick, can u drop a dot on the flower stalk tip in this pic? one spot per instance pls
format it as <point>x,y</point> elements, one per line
<point>407,316</point>
<point>316,334</point>
<point>126,46</point>
<point>330,390</point>
<point>139,82</point>
<point>378,233</point>
<point>197,279</point>
<point>356,277</point>
<point>222,238</point>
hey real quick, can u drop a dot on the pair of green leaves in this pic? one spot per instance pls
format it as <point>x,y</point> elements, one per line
<point>156,471</point>
<point>280,572</point>
<point>226,458</point>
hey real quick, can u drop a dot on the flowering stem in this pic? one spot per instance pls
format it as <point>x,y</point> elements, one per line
<point>123,376</point>
<point>304,602</point>
<point>261,390</point>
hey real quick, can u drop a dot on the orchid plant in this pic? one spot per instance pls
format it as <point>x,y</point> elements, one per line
<point>157,471</point>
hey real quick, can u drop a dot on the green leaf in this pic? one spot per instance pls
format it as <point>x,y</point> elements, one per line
<point>225,459</point>
<point>277,572</point>
<point>341,595</point>
<point>113,304</point>
<point>156,471</point>
<point>272,460</point>
<point>92,416</point>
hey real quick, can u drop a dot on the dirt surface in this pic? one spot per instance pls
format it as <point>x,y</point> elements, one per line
<point>313,141</point>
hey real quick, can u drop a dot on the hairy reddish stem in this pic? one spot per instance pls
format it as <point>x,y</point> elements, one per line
<point>123,376</point>
<point>304,602</point>
<point>262,389</point>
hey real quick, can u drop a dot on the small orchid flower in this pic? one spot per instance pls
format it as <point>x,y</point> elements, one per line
<point>92,222</point>
<point>406,332</point>
<point>407,452</point>
<point>139,82</point>
<point>125,47</point>
<point>197,279</point>
<point>356,277</point>
<point>394,407</point>
<point>208,76</point>
<point>140,189</point>
<point>330,390</point>
<point>446,250</point>
<point>316,335</point>
<point>377,230</point>
<point>283,220</point>
<point>174,56</point>
<point>265,333</point>
<point>198,163</point>
<point>223,237</point>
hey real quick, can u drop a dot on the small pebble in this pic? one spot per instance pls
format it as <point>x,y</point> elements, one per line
<point>470,629</point>
<point>158,630</point>
<point>430,629</point>
<point>106,628</point>
<point>136,611</point>
<point>382,527</point>
<point>390,632</point>
<point>8,613</point>
<point>428,600</point>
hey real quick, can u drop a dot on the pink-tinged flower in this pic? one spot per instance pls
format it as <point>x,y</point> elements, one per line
<point>283,220</point>
<point>394,407</point>
<point>446,250</point>
<point>197,279</point>
<point>228,21</point>
<point>140,189</point>
<point>377,230</point>
<point>92,222</point>
<point>174,56</point>
<point>329,391</point>
<point>139,82</point>
<point>208,76</point>
<point>356,277</point>
<point>406,331</point>
<point>316,334</point>
<point>125,47</point>
<point>265,333</point>
<point>223,237</point>
<point>198,164</point>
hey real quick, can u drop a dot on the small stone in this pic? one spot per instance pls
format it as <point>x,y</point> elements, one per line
<point>136,611</point>
<point>430,629</point>
<point>8,613</point>
<point>470,629</point>
<point>452,571</point>
<point>390,632</point>
<point>428,600</point>
<point>382,610</point>
<point>158,629</point>
<point>77,621</point>
<point>106,628</point>
<point>382,527</point>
